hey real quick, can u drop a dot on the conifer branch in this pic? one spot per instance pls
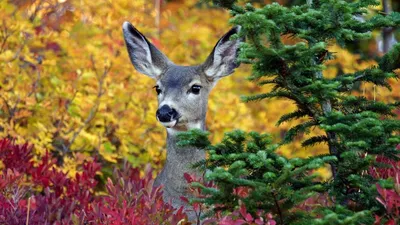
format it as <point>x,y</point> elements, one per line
<point>294,115</point>
<point>314,140</point>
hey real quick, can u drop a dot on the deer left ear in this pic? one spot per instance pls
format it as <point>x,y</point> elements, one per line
<point>222,60</point>
<point>145,57</point>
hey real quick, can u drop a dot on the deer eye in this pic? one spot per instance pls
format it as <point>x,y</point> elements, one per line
<point>195,89</point>
<point>158,89</point>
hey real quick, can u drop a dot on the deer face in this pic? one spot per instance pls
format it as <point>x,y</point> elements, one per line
<point>182,97</point>
<point>182,90</point>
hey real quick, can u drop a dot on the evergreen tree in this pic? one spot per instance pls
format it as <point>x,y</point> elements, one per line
<point>356,129</point>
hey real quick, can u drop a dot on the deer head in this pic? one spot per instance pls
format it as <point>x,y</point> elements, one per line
<point>182,90</point>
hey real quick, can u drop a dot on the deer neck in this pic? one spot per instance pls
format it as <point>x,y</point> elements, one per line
<point>179,161</point>
<point>183,157</point>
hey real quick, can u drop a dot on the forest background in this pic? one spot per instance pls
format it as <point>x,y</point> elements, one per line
<point>68,87</point>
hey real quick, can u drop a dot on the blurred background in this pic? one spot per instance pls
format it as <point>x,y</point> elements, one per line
<point>68,87</point>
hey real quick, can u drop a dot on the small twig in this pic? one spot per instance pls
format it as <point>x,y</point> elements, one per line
<point>37,9</point>
<point>16,55</point>
<point>4,43</point>
<point>198,216</point>
<point>6,104</point>
<point>67,105</point>
<point>14,109</point>
<point>359,77</point>
<point>99,142</point>
<point>7,33</point>
<point>35,84</point>
<point>29,208</point>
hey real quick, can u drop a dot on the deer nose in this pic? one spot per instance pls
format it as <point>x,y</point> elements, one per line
<point>166,114</point>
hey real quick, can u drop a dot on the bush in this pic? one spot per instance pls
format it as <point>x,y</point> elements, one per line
<point>41,194</point>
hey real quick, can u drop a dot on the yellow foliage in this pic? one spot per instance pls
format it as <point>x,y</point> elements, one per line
<point>67,84</point>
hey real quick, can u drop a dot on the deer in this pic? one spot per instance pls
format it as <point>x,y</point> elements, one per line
<point>182,93</point>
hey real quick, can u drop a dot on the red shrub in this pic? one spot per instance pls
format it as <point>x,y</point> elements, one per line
<point>389,198</point>
<point>44,195</point>
<point>16,157</point>
<point>133,200</point>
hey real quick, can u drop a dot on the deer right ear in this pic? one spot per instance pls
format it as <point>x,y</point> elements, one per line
<point>222,60</point>
<point>145,57</point>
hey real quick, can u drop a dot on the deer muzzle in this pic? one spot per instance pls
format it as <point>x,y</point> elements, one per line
<point>167,116</point>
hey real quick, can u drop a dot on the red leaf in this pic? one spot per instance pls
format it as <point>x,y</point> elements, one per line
<point>243,210</point>
<point>249,218</point>
<point>188,177</point>
<point>183,198</point>
<point>390,222</point>
<point>196,206</point>
<point>259,221</point>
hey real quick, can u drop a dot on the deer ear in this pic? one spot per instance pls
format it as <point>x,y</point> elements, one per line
<point>145,57</point>
<point>222,60</point>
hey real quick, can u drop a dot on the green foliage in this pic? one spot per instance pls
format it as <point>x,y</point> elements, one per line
<point>342,216</point>
<point>249,161</point>
<point>391,60</point>
<point>356,129</point>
